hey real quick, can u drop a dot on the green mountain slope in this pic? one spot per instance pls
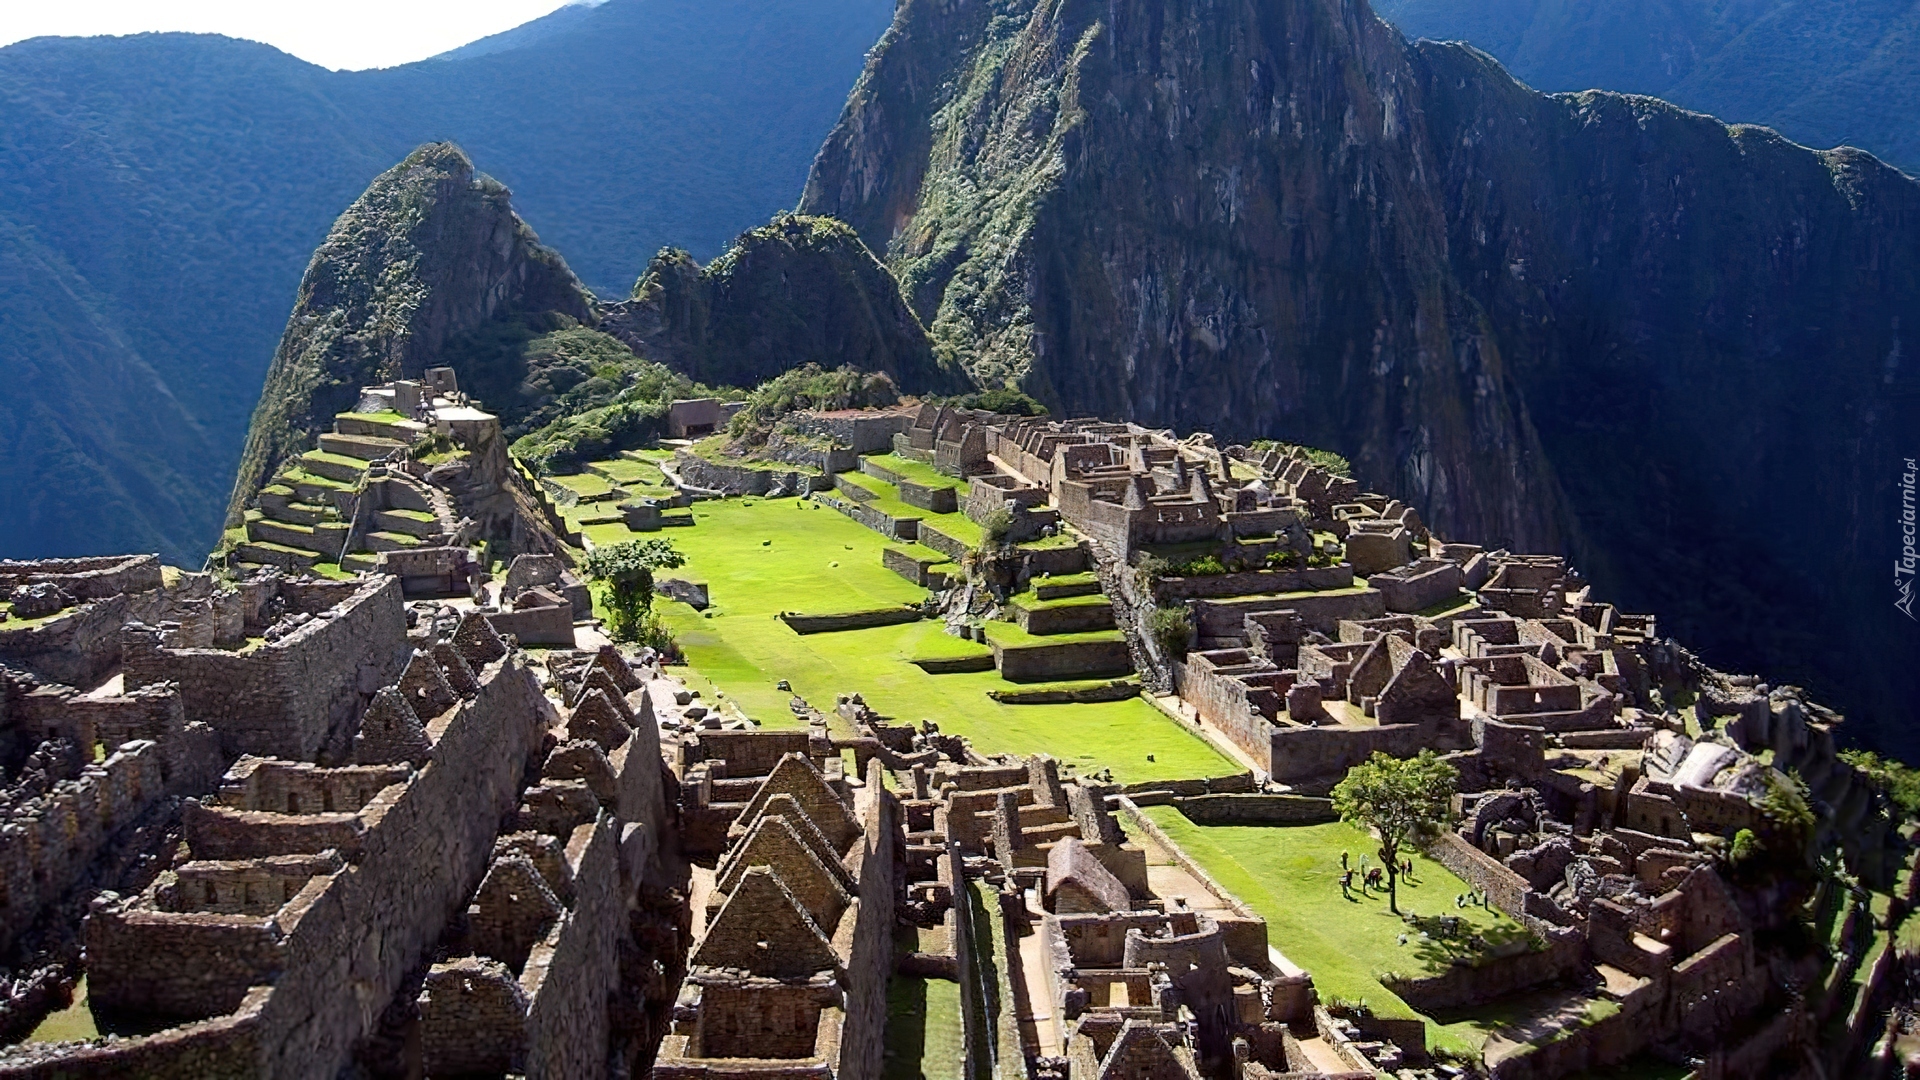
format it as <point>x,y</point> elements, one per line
<point>183,181</point>
<point>1823,72</point>
<point>1595,324</point>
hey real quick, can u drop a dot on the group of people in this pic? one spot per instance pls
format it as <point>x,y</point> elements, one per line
<point>1369,877</point>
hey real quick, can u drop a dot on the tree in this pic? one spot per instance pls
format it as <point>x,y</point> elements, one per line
<point>1403,801</point>
<point>627,569</point>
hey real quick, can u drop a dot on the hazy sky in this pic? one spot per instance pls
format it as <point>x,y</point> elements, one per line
<point>332,33</point>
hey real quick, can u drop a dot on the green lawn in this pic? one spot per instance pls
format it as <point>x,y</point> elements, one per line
<point>1291,877</point>
<point>926,1038</point>
<point>761,557</point>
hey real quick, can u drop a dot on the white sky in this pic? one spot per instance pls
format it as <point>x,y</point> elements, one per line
<point>349,34</point>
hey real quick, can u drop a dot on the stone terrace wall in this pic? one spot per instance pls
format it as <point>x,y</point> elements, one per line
<point>295,697</point>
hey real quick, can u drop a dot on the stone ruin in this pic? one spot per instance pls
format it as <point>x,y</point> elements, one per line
<point>280,835</point>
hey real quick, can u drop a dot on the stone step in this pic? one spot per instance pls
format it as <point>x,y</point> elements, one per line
<point>364,447</point>
<point>344,469</point>
<point>298,513</point>
<point>1046,590</point>
<point>1044,661</point>
<point>317,491</point>
<point>292,560</point>
<point>408,522</point>
<point>406,431</point>
<point>391,541</point>
<point>401,494</point>
<point>359,562</point>
<point>1077,615</point>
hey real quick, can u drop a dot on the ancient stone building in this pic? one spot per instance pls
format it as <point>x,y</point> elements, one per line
<point>791,956</point>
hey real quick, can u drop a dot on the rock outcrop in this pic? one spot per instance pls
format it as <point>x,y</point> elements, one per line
<point>1589,323</point>
<point>795,291</point>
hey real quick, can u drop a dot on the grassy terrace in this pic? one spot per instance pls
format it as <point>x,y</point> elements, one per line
<point>711,447</point>
<point>1290,876</point>
<point>332,458</point>
<point>887,501</point>
<point>585,485</point>
<point>915,472</point>
<point>761,557</point>
<point>627,471</point>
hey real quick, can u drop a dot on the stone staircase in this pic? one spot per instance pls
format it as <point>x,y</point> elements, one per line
<point>323,510</point>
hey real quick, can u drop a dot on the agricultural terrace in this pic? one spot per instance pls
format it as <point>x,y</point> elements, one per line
<point>761,557</point>
<point>1290,876</point>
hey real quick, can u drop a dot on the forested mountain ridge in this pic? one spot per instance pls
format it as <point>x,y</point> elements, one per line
<point>1590,323</point>
<point>161,195</point>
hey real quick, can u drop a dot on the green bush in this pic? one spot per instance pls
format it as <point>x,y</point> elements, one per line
<point>1325,459</point>
<point>1204,566</point>
<point>1899,782</point>
<point>1172,629</point>
<point>627,571</point>
<point>1006,401</point>
<point>998,525</point>
<point>811,386</point>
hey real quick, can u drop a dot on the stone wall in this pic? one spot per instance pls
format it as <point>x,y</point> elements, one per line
<point>1505,890</point>
<point>549,626</point>
<point>224,1049</point>
<point>1253,582</point>
<point>1055,663</point>
<point>93,578</point>
<point>1316,753</point>
<point>294,697</point>
<point>373,925</point>
<point>852,620</point>
<point>745,479</point>
<point>1465,986</point>
<point>48,842</point>
<point>1320,611</point>
<point>1256,809</point>
<point>855,507</point>
<point>571,976</point>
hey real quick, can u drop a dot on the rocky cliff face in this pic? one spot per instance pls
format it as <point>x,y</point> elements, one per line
<point>799,290</point>
<point>1588,323</point>
<point>430,253</point>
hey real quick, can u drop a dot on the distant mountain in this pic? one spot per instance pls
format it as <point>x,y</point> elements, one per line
<point>1822,72</point>
<point>1595,324</point>
<point>160,196</point>
<point>555,22</point>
